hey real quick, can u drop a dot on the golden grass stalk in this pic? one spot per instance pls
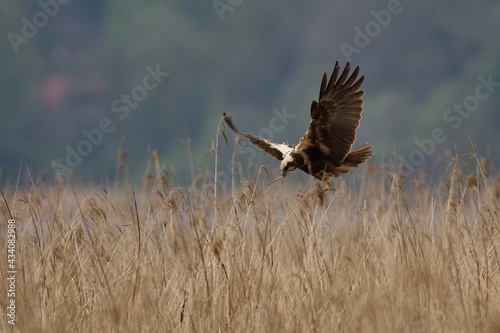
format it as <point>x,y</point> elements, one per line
<point>381,254</point>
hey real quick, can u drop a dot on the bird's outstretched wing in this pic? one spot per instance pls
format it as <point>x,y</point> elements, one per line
<point>275,149</point>
<point>335,117</point>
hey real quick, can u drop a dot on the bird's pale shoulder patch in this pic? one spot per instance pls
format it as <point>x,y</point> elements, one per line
<point>283,148</point>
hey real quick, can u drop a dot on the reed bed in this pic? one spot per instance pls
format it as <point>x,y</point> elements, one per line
<point>379,254</point>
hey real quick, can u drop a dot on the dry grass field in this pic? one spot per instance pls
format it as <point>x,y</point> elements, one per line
<point>379,254</point>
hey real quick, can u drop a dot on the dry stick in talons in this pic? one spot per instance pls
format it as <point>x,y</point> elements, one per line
<point>262,189</point>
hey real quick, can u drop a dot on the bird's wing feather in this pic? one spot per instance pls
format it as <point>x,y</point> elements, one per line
<point>336,116</point>
<point>275,149</point>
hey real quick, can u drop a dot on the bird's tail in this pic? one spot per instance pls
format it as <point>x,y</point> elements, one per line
<point>358,155</point>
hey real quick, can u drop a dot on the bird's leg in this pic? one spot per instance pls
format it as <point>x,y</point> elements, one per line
<point>329,187</point>
<point>320,182</point>
<point>326,179</point>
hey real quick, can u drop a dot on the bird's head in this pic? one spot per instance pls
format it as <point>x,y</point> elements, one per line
<point>287,164</point>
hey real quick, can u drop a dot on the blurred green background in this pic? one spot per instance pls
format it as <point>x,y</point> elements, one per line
<point>65,63</point>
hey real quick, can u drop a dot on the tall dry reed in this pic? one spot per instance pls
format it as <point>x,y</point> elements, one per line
<point>379,254</point>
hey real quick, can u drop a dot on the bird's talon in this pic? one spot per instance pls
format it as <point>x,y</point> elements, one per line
<point>329,188</point>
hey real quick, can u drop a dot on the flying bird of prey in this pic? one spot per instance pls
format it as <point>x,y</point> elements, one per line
<point>325,149</point>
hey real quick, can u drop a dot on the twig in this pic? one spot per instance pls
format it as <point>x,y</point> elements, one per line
<point>262,189</point>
